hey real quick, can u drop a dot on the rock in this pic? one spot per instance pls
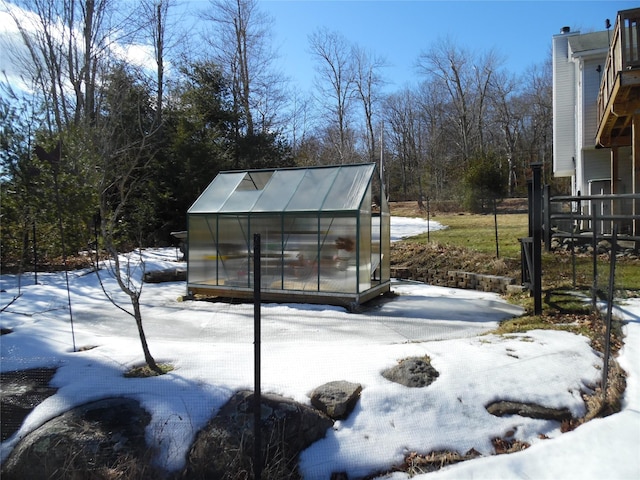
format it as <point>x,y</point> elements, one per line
<point>224,448</point>
<point>168,275</point>
<point>530,410</point>
<point>415,372</point>
<point>339,476</point>
<point>21,392</point>
<point>336,399</point>
<point>86,442</point>
<point>515,289</point>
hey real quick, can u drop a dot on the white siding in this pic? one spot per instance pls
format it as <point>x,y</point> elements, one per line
<point>564,98</point>
<point>591,86</point>
<point>597,166</point>
<point>625,170</point>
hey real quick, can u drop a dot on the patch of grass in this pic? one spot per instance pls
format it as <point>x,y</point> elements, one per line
<point>546,321</point>
<point>143,371</point>
<point>468,243</point>
<point>477,232</point>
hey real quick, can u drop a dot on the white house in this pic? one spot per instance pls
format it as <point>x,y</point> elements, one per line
<point>578,60</point>
<point>596,107</point>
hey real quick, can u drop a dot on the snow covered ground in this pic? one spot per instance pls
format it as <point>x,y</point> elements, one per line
<point>304,346</point>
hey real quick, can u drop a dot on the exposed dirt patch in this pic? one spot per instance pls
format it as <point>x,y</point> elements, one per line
<point>447,257</point>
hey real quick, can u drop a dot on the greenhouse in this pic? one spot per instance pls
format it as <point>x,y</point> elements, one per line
<point>324,235</point>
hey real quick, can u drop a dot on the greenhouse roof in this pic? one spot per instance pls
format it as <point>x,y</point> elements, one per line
<point>332,188</point>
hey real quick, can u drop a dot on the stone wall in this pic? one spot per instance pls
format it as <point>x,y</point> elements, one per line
<point>455,279</point>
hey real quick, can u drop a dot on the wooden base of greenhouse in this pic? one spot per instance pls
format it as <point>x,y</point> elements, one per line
<point>350,301</point>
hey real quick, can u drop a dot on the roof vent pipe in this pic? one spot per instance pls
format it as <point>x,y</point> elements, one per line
<point>565,30</point>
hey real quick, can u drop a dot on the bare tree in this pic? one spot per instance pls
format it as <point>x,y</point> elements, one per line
<point>467,81</point>
<point>508,117</point>
<point>485,71</point>
<point>438,157</point>
<point>336,83</point>
<point>241,42</point>
<point>154,17</point>
<point>124,147</point>
<point>299,118</point>
<point>451,67</point>
<point>407,136</point>
<point>537,94</point>
<point>368,82</point>
<point>67,45</point>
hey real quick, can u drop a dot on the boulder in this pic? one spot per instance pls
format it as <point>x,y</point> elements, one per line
<point>530,410</point>
<point>21,392</point>
<point>336,399</point>
<point>224,448</point>
<point>93,438</point>
<point>167,275</point>
<point>414,372</point>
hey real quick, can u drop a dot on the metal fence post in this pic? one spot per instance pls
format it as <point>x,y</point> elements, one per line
<point>546,196</point>
<point>594,244</point>
<point>536,214</point>
<point>257,409</point>
<point>607,339</point>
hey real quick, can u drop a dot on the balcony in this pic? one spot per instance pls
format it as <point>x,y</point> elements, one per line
<point>619,96</point>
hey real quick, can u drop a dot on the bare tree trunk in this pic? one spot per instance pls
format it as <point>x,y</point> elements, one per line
<point>367,81</point>
<point>336,81</point>
<point>137,314</point>
<point>125,283</point>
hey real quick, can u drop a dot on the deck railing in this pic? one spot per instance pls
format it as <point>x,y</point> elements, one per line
<point>623,54</point>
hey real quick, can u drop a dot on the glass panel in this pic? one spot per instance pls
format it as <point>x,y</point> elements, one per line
<point>241,201</point>
<point>313,189</point>
<point>349,187</point>
<point>365,253</point>
<point>271,258</point>
<point>278,192</point>
<point>338,259</point>
<point>201,244</point>
<point>255,180</point>
<point>216,193</point>
<point>232,251</point>
<point>385,233</point>
<point>300,252</point>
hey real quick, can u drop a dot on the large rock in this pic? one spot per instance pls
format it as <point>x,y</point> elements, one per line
<point>336,399</point>
<point>530,410</point>
<point>415,372</point>
<point>224,448</point>
<point>21,392</point>
<point>167,275</point>
<point>86,442</point>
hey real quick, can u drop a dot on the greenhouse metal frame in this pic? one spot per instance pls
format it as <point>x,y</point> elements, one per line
<point>325,235</point>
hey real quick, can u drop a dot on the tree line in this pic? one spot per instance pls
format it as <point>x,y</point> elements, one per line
<point>115,148</point>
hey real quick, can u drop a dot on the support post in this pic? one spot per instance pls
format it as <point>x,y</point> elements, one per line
<point>607,338</point>
<point>635,174</point>
<point>257,408</point>
<point>594,245</point>
<point>35,255</point>
<point>546,198</point>
<point>536,216</point>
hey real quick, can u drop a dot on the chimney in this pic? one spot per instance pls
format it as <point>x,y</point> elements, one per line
<point>564,30</point>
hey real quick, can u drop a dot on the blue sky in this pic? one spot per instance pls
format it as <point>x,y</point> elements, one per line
<point>520,31</point>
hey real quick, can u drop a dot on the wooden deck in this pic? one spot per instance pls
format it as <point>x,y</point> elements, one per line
<point>619,96</point>
<point>619,102</point>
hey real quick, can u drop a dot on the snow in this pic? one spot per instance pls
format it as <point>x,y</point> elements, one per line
<point>303,346</point>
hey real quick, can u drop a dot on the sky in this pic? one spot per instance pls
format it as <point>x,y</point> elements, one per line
<point>210,345</point>
<point>398,31</point>
<point>520,31</point>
